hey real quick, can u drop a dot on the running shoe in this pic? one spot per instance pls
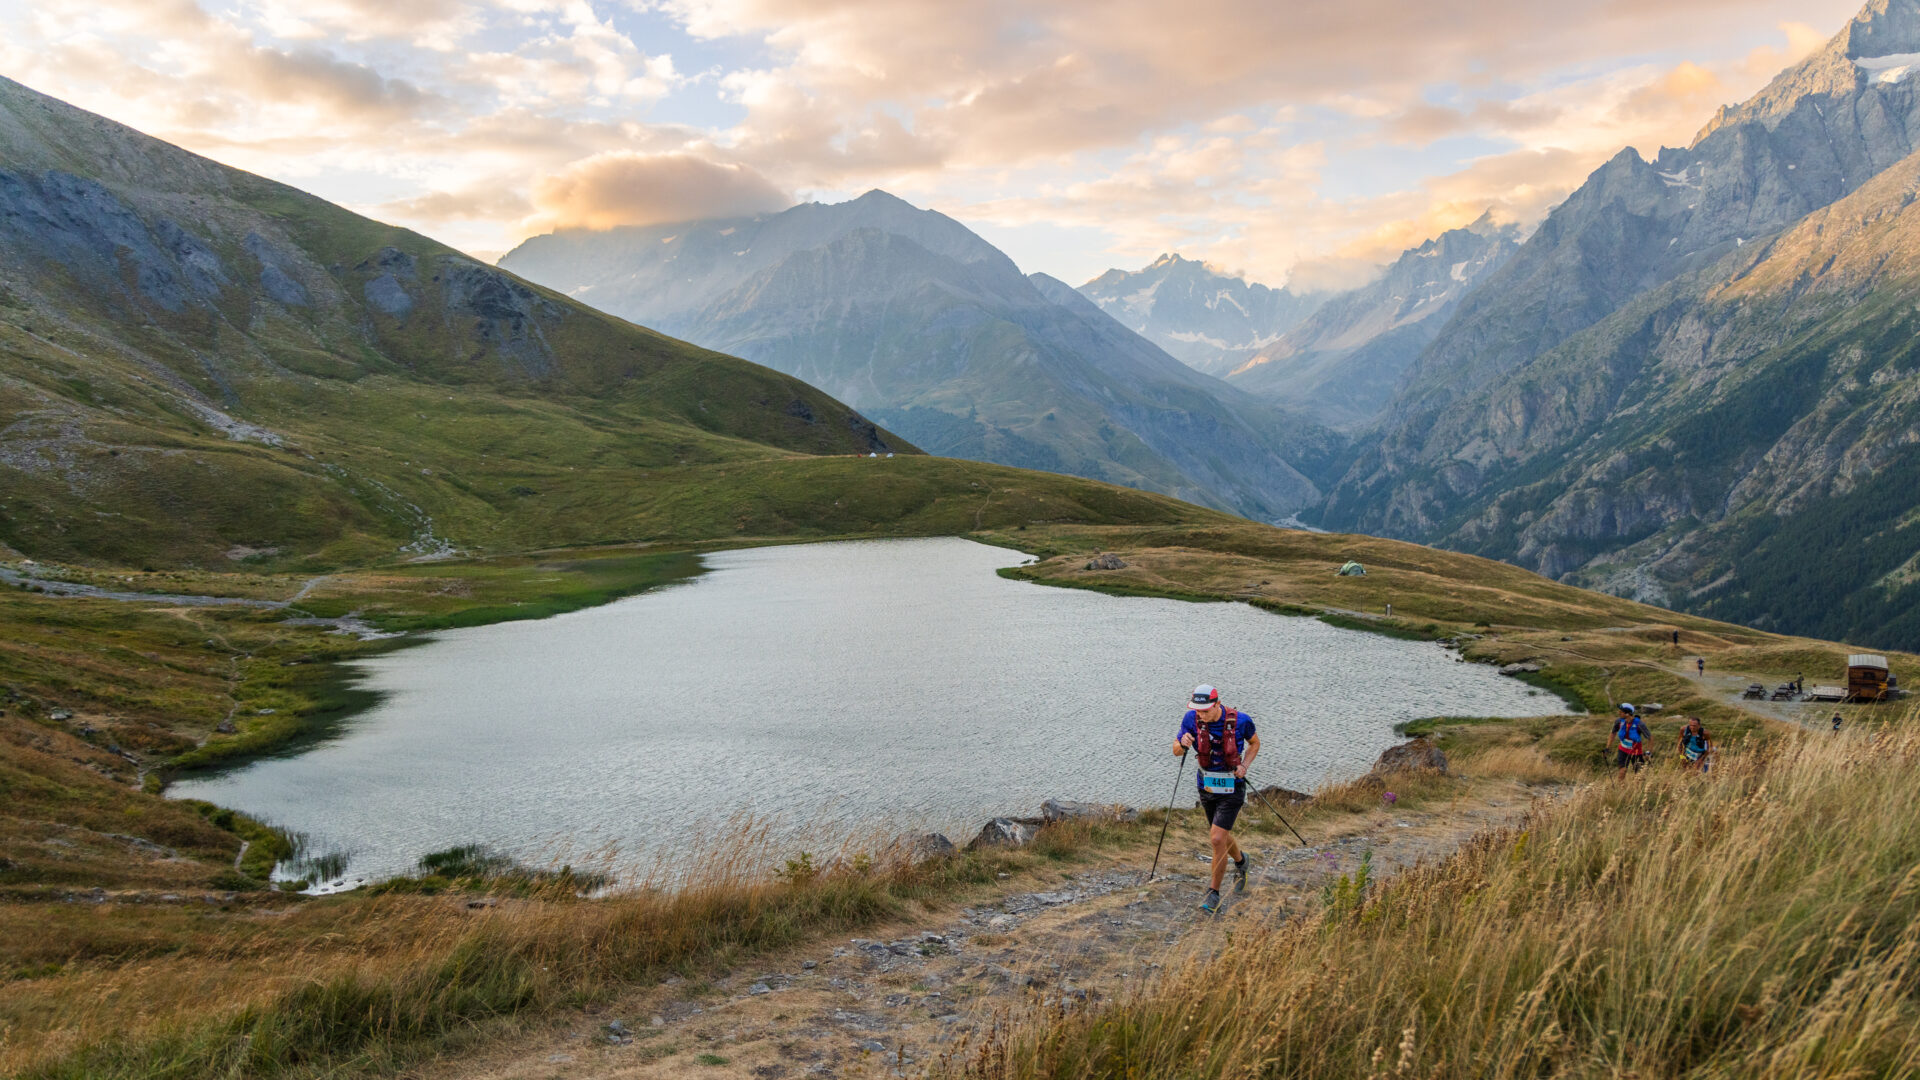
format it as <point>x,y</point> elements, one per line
<point>1240,876</point>
<point>1212,903</point>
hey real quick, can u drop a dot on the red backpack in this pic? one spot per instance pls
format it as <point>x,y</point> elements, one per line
<point>1229,740</point>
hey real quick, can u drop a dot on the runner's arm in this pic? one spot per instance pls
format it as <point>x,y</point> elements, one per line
<point>1253,751</point>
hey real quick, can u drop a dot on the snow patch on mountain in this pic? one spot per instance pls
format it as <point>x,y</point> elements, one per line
<point>1890,69</point>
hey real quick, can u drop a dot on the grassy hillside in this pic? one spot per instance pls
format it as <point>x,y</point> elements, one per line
<point>201,366</point>
<point>1756,922</point>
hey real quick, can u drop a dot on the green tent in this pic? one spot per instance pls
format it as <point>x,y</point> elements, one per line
<point>1353,569</point>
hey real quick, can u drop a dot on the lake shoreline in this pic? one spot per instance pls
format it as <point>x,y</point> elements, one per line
<point>564,727</point>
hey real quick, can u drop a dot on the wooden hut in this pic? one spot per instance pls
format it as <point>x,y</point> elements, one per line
<point>1866,677</point>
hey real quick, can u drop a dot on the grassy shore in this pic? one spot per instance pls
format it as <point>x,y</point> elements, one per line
<point>369,983</point>
<point>105,699</point>
<point>1760,921</point>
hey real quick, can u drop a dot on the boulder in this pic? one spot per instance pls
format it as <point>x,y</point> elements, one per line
<point>1412,755</point>
<point>1280,796</point>
<point>1005,832</point>
<point>932,845</point>
<point>1106,560</point>
<point>1515,669</point>
<point>1066,810</point>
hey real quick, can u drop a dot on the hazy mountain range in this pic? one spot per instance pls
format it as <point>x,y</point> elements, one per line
<point>920,323</point>
<point>1343,364</point>
<point>1212,321</point>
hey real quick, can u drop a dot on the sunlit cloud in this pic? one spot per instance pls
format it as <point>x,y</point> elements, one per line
<point>624,188</point>
<point>1311,141</point>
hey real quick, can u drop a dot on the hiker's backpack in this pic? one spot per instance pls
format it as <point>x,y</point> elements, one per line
<point>1632,734</point>
<point>1229,748</point>
<point>1693,745</point>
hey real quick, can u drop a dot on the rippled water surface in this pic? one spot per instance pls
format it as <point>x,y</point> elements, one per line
<point>900,683</point>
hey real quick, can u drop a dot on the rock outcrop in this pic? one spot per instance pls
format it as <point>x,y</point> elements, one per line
<point>1006,832</point>
<point>1281,796</point>
<point>929,846</point>
<point>1066,810</point>
<point>1019,831</point>
<point>1415,755</point>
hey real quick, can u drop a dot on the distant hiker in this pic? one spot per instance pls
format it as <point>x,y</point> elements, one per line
<point>1700,664</point>
<point>1225,740</point>
<point>1676,637</point>
<point>1799,683</point>
<point>1696,746</point>
<point>1629,739</point>
<point>1836,721</point>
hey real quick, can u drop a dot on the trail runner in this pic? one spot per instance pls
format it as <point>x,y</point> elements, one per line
<point>1227,744</point>
<point>1696,746</point>
<point>1629,739</point>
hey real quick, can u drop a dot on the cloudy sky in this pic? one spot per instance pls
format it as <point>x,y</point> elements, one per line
<point>1310,138</point>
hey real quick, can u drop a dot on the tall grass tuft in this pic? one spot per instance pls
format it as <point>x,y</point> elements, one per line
<point>1760,921</point>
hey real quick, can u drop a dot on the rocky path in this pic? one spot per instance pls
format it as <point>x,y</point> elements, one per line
<point>75,590</point>
<point>892,1004</point>
<point>344,624</point>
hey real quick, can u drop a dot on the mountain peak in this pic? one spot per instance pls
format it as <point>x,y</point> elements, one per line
<point>877,197</point>
<point>1880,45</point>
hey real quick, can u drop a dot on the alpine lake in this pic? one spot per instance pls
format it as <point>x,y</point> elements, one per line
<point>866,688</point>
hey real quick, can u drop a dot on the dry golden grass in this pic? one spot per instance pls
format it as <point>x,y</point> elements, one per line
<point>1759,921</point>
<point>1527,764</point>
<point>368,983</point>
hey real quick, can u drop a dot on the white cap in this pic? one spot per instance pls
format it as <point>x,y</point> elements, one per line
<point>1203,696</point>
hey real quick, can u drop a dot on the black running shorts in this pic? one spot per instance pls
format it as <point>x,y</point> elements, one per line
<point>1622,759</point>
<point>1221,810</point>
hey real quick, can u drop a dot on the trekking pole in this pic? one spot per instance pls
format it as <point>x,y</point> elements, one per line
<point>1168,820</point>
<point>1276,813</point>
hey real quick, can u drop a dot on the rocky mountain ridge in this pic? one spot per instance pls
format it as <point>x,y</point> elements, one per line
<point>1343,363</point>
<point>931,330</point>
<point>1684,385</point>
<point>1207,319</point>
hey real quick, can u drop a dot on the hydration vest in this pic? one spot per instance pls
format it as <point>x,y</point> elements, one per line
<point>1631,733</point>
<point>1693,744</point>
<point>1228,749</point>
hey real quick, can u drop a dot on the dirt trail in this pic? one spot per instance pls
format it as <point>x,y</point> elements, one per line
<point>1731,688</point>
<point>892,1004</point>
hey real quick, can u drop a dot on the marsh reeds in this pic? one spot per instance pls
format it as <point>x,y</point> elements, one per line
<point>1758,921</point>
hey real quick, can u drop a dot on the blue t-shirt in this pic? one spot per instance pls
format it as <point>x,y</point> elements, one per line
<point>1216,731</point>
